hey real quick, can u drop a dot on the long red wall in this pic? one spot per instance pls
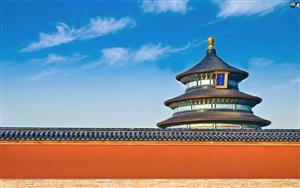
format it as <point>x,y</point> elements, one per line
<point>142,160</point>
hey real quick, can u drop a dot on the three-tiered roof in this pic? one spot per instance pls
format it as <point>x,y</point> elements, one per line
<point>212,98</point>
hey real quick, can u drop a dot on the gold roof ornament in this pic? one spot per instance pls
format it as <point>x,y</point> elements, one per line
<point>211,42</point>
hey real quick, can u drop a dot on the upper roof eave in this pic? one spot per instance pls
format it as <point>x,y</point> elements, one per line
<point>211,63</point>
<point>243,74</point>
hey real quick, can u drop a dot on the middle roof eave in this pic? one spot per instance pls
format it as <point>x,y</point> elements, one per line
<point>200,93</point>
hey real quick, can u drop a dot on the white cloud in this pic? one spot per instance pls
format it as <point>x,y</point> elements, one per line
<point>97,27</point>
<point>55,58</point>
<point>260,62</point>
<point>150,52</point>
<point>63,35</point>
<point>114,56</point>
<point>119,56</point>
<point>162,6</point>
<point>291,83</point>
<point>46,74</point>
<point>230,8</point>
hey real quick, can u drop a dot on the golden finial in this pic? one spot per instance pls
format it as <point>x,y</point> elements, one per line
<point>211,42</point>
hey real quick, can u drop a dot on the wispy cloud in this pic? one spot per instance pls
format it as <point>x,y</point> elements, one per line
<point>151,52</point>
<point>115,56</point>
<point>163,6</point>
<point>119,56</point>
<point>46,74</point>
<point>97,27</point>
<point>260,62</point>
<point>55,59</point>
<point>229,8</point>
<point>292,82</point>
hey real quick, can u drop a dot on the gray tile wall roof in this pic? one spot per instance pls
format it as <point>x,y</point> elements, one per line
<point>151,134</point>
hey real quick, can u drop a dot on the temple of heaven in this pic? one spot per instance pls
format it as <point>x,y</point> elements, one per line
<point>212,99</point>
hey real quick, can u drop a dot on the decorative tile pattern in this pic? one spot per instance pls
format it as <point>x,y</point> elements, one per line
<point>145,134</point>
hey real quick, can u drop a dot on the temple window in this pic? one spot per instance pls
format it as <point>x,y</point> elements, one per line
<point>203,107</point>
<point>208,82</point>
<point>221,79</point>
<point>214,126</point>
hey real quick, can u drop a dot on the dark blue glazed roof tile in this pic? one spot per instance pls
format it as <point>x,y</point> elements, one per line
<point>273,135</point>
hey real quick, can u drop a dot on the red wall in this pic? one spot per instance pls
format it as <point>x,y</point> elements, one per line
<point>134,160</point>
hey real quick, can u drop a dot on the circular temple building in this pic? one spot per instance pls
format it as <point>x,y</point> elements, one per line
<point>212,99</point>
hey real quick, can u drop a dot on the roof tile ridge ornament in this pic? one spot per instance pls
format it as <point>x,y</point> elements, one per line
<point>211,48</point>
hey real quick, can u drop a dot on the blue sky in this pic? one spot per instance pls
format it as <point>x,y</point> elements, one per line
<point>113,63</point>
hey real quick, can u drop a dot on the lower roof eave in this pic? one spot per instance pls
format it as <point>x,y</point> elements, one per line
<point>170,122</point>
